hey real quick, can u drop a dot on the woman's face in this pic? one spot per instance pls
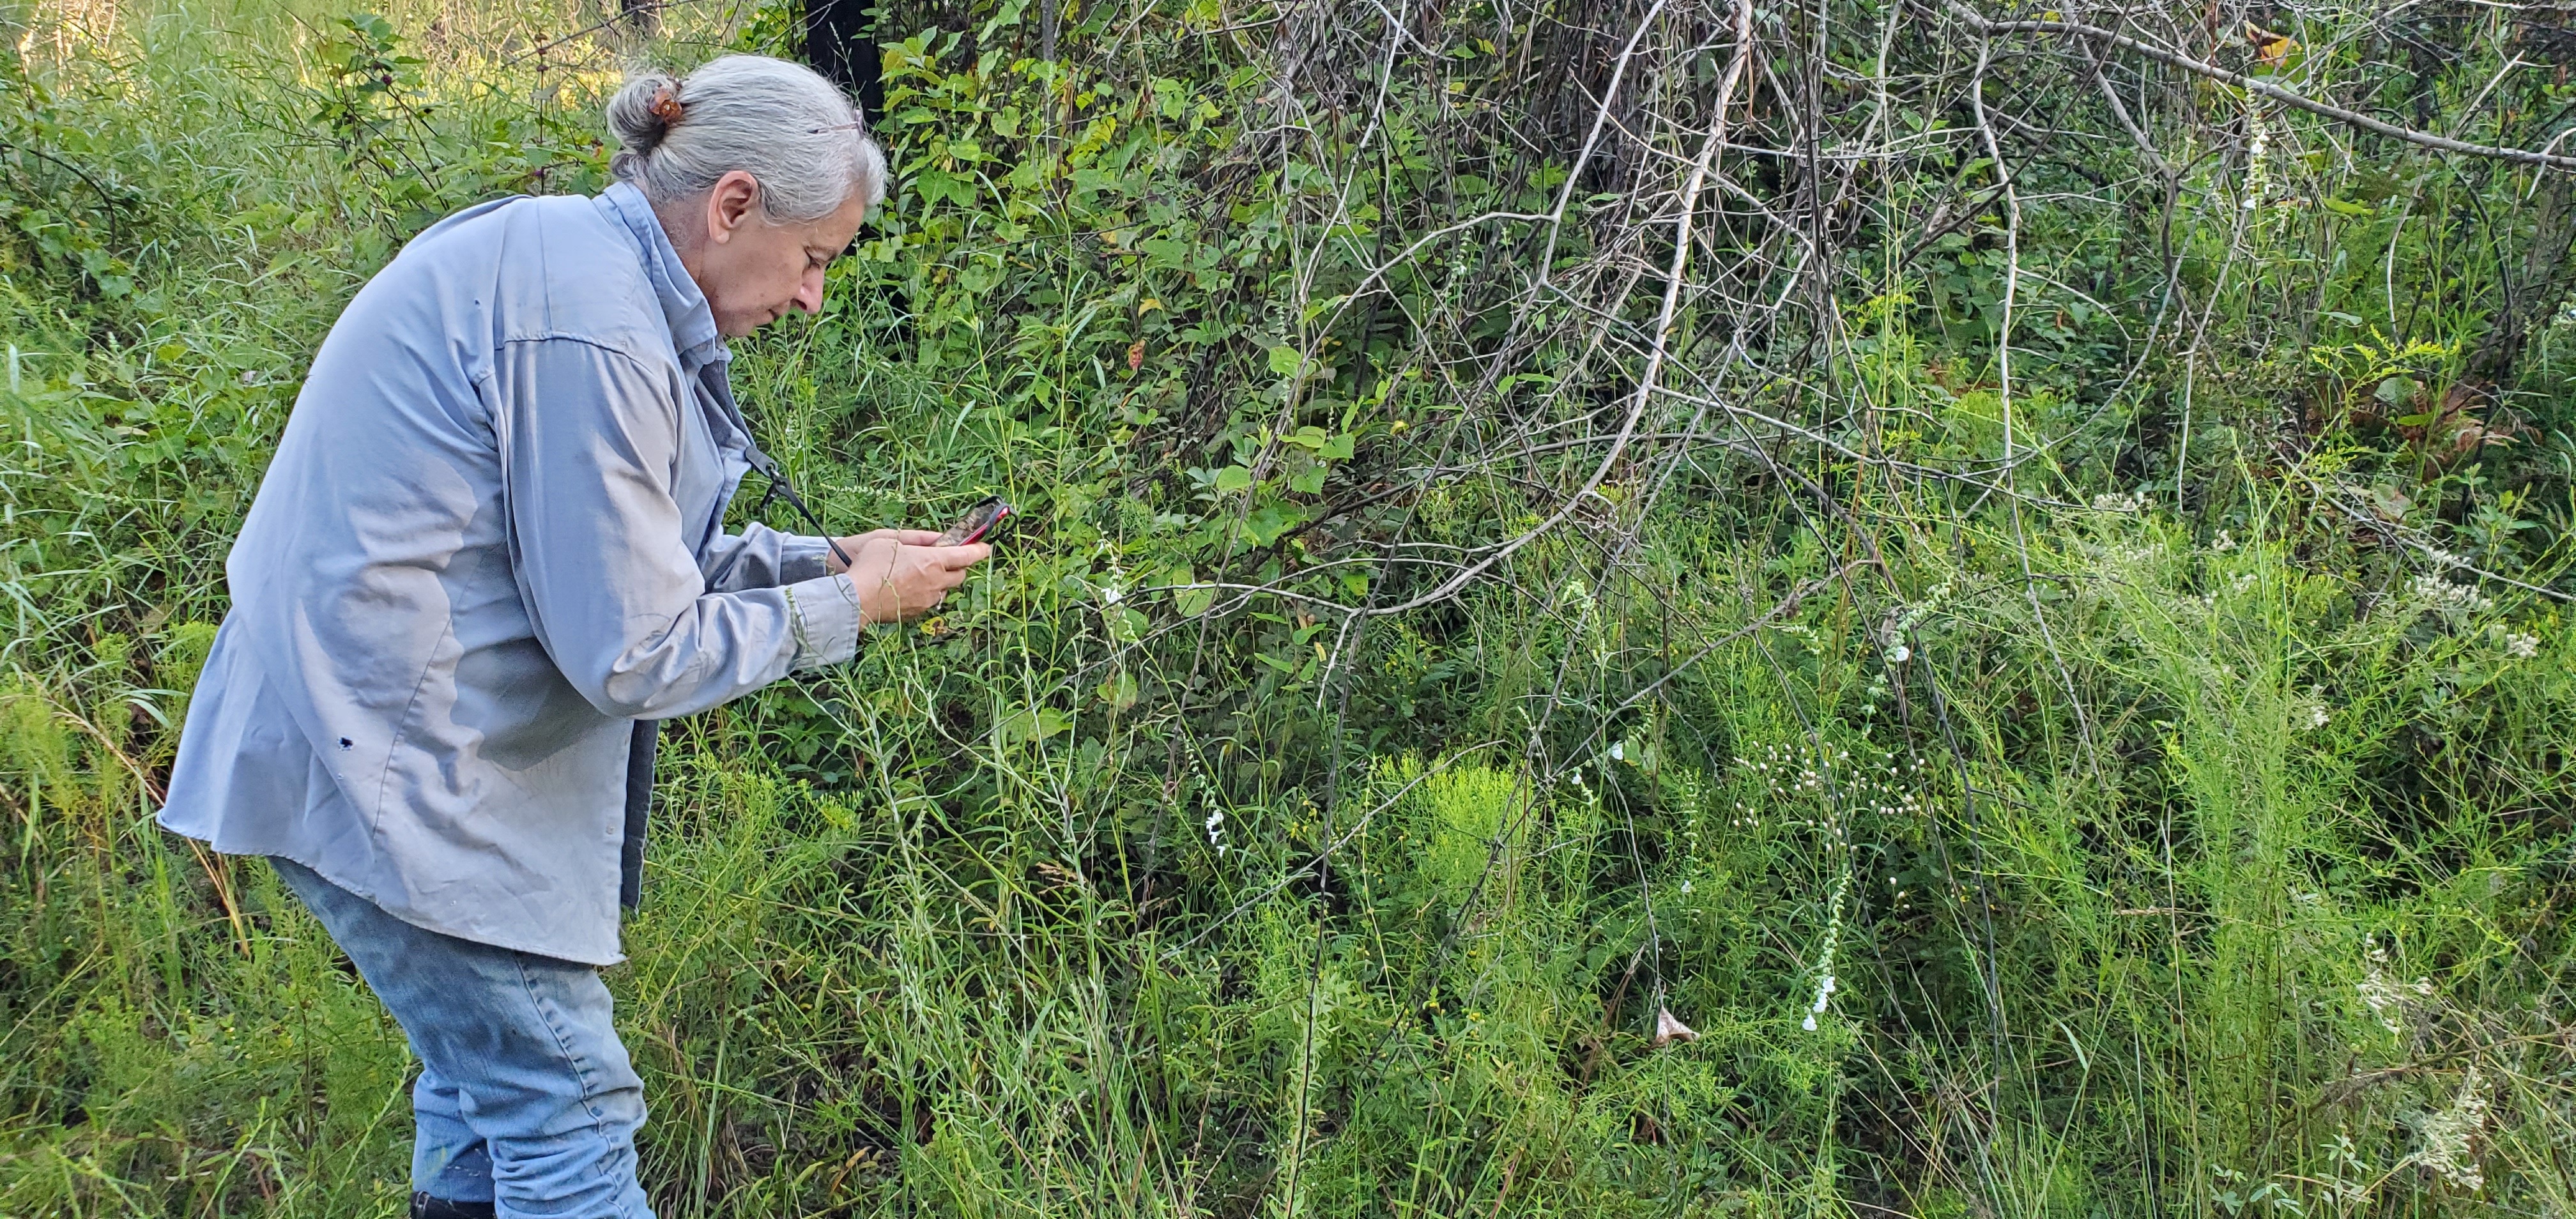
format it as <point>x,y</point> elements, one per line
<point>752,270</point>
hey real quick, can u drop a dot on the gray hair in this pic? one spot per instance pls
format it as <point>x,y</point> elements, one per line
<point>780,122</point>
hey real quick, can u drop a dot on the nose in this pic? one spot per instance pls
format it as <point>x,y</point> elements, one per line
<point>809,292</point>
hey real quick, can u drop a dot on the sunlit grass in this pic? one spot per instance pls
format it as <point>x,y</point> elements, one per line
<point>2125,873</point>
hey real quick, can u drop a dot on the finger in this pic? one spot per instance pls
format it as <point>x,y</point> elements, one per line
<point>915,537</point>
<point>961,557</point>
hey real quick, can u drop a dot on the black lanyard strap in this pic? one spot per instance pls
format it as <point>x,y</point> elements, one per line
<point>779,489</point>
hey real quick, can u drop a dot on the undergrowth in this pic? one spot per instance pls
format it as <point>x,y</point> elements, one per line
<point>2129,779</point>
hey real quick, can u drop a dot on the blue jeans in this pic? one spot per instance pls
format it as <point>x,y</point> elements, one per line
<point>526,1098</point>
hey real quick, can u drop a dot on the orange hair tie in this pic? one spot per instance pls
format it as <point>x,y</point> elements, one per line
<point>666,106</point>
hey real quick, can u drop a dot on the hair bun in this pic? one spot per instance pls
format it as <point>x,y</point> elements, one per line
<point>640,115</point>
<point>782,123</point>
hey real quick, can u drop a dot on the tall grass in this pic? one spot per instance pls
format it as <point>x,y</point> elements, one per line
<point>2220,868</point>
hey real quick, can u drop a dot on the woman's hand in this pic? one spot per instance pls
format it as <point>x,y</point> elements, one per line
<point>850,545</point>
<point>899,575</point>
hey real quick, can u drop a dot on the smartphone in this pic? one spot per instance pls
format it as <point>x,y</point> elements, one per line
<point>978,523</point>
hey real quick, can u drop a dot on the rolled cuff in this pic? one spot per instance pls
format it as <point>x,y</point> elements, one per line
<point>824,617</point>
<point>802,558</point>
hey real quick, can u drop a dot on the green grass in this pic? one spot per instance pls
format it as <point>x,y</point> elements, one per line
<point>2125,836</point>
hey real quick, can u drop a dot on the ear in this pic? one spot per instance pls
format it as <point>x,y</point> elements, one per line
<point>733,202</point>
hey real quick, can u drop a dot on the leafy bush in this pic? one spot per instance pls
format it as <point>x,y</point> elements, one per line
<point>2015,594</point>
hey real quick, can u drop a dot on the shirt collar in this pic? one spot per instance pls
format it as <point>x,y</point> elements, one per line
<point>693,324</point>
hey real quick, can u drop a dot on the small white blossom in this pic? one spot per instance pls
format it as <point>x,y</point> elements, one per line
<point>2435,593</point>
<point>2118,504</point>
<point>2387,998</point>
<point>2447,1135</point>
<point>2517,645</point>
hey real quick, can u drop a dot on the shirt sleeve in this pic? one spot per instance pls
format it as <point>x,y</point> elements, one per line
<point>763,557</point>
<point>589,440</point>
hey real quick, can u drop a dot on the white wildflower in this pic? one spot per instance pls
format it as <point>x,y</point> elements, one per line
<point>1825,959</point>
<point>2435,593</point>
<point>2118,503</point>
<point>2226,542</point>
<point>2311,713</point>
<point>2389,999</point>
<point>1113,590</point>
<point>2517,645</point>
<point>2257,183</point>
<point>2447,1135</point>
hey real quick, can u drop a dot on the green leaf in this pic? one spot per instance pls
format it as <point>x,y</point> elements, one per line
<point>1128,624</point>
<point>934,186</point>
<point>1034,724</point>
<point>1266,523</point>
<point>1232,479</point>
<point>1286,361</point>
<point>1339,448</point>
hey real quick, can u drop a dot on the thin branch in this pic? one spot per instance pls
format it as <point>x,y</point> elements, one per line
<point>2523,156</point>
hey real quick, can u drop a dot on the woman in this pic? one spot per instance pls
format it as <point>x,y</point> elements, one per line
<point>488,555</point>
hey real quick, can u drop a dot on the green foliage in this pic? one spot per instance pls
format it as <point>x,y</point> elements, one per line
<point>2090,785</point>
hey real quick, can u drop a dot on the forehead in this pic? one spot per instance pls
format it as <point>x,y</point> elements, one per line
<point>834,231</point>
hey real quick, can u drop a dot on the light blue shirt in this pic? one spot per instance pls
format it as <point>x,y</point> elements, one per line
<point>490,541</point>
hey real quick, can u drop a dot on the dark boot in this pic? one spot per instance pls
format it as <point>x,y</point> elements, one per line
<point>424,1206</point>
